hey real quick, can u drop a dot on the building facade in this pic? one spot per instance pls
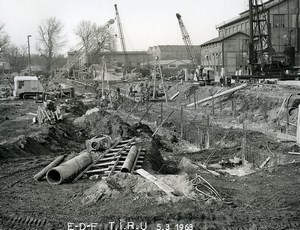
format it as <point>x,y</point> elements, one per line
<point>283,23</point>
<point>173,52</point>
<point>229,53</point>
<point>113,59</point>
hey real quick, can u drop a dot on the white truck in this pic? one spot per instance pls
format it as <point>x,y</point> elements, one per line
<point>26,86</point>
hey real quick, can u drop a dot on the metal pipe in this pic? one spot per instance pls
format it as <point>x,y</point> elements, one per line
<point>219,95</point>
<point>68,169</point>
<point>39,176</point>
<point>128,163</point>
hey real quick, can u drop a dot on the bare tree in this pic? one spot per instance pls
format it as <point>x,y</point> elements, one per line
<point>85,31</point>
<point>18,57</point>
<point>50,39</point>
<point>95,39</point>
<point>4,38</point>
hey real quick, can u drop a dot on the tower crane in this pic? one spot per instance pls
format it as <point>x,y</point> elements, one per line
<point>123,45</point>
<point>187,41</point>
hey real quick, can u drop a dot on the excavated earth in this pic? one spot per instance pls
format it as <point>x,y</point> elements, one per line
<point>267,198</point>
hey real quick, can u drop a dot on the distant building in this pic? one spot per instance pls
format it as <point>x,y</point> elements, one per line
<point>171,52</point>
<point>284,22</point>
<point>114,59</point>
<point>230,52</point>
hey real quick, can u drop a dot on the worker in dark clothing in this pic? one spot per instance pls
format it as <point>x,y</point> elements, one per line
<point>229,81</point>
<point>222,81</point>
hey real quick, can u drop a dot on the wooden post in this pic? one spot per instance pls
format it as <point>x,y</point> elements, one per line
<point>181,121</point>
<point>221,106</point>
<point>233,107</point>
<point>298,126</point>
<point>195,100</point>
<point>201,140</point>
<point>161,112</point>
<point>154,84</point>
<point>198,138</point>
<point>288,118</point>
<point>213,107</point>
<point>265,110</point>
<point>244,144</point>
<point>207,144</point>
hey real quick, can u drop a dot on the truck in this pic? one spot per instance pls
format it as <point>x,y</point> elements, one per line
<point>27,86</point>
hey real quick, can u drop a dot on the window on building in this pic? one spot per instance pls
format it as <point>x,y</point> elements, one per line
<point>242,26</point>
<point>21,84</point>
<point>278,20</point>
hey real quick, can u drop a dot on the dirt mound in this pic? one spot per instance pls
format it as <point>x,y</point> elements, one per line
<point>52,139</point>
<point>22,147</point>
<point>102,122</point>
<point>136,188</point>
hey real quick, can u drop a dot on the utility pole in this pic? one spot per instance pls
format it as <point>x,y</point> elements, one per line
<point>251,46</point>
<point>29,61</point>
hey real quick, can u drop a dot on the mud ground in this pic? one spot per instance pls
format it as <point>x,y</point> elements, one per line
<point>269,198</point>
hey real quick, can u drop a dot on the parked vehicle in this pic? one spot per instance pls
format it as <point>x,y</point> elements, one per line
<point>26,86</point>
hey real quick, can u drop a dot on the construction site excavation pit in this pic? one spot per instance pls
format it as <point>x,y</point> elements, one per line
<point>180,178</point>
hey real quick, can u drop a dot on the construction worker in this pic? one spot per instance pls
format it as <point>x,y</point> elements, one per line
<point>130,91</point>
<point>222,81</point>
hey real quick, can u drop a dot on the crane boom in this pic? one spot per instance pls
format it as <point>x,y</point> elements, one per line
<point>79,53</point>
<point>121,36</point>
<point>187,41</point>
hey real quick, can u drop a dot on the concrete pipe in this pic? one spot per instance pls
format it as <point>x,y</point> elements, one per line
<point>95,144</point>
<point>128,163</point>
<point>68,169</point>
<point>39,176</point>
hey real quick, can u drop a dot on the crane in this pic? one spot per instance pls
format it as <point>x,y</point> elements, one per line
<point>187,41</point>
<point>122,38</point>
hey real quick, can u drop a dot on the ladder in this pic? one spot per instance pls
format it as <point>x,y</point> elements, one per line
<point>111,161</point>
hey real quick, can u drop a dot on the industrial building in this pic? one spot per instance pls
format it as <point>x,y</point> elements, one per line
<point>230,49</point>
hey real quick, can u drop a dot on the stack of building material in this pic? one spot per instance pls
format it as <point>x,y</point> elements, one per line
<point>46,115</point>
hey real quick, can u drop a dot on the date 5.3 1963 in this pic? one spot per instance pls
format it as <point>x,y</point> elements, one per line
<point>174,227</point>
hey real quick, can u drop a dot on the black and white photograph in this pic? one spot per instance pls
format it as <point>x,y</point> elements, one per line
<point>149,115</point>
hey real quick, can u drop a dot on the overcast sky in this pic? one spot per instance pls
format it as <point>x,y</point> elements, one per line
<point>145,22</point>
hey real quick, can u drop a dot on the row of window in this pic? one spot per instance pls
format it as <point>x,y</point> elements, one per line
<point>212,56</point>
<point>277,22</point>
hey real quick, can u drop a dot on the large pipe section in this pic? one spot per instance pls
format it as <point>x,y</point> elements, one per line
<point>128,163</point>
<point>218,95</point>
<point>70,168</point>
<point>39,176</point>
<point>96,144</point>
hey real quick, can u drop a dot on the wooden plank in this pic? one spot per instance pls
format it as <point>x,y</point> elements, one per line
<point>286,137</point>
<point>96,161</point>
<point>294,153</point>
<point>104,164</point>
<point>166,188</point>
<point>174,96</point>
<point>265,162</point>
<point>162,124</point>
<point>97,170</point>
